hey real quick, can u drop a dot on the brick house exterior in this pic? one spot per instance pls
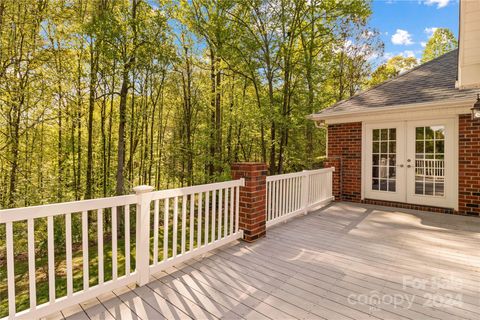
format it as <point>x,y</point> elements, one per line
<point>344,153</point>
<point>447,168</point>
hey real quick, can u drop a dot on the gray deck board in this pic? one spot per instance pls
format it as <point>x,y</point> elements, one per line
<point>316,267</point>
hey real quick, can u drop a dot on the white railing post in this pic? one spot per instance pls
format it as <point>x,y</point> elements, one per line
<point>330,182</point>
<point>142,248</point>
<point>305,191</point>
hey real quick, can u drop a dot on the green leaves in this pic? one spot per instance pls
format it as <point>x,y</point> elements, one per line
<point>207,82</point>
<point>391,69</point>
<point>441,42</point>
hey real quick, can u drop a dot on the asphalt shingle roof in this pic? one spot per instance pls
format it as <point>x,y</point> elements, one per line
<point>429,82</point>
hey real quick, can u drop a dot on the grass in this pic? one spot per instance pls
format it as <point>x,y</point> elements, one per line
<point>41,263</point>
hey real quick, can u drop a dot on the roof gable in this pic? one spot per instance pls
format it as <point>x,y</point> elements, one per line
<point>429,82</point>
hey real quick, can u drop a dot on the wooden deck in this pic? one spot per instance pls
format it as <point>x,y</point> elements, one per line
<point>342,262</point>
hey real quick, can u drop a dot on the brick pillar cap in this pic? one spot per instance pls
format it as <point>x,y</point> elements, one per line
<point>248,164</point>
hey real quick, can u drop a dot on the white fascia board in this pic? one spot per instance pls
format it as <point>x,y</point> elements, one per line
<point>399,112</point>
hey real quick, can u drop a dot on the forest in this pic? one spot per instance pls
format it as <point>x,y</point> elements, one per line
<point>98,96</point>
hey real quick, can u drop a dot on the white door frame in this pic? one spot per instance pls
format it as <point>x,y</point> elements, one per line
<point>451,191</point>
<point>399,194</point>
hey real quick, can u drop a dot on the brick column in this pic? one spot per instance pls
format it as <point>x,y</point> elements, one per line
<point>252,198</point>
<point>345,154</point>
<point>468,164</point>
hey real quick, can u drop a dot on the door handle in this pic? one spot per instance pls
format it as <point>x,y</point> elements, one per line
<point>409,166</point>
<point>400,165</point>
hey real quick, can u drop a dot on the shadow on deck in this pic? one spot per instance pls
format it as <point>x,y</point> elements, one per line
<point>345,261</point>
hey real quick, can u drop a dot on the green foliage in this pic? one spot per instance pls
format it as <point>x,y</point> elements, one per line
<point>441,42</point>
<point>197,84</point>
<point>402,64</point>
<point>391,69</point>
<point>382,74</point>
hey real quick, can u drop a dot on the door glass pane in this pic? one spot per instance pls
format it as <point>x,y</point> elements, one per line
<point>384,156</point>
<point>429,161</point>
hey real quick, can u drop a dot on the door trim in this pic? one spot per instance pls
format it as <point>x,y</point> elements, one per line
<point>399,194</point>
<point>453,189</point>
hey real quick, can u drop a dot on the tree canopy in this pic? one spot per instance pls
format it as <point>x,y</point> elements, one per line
<point>393,67</point>
<point>441,42</point>
<point>100,96</point>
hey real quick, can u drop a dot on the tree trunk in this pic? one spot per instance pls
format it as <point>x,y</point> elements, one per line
<point>119,190</point>
<point>14,151</point>
<point>91,109</point>
<point>211,164</point>
<point>218,122</point>
<point>188,118</point>
<point>110,123</point>
<point>59,150</point>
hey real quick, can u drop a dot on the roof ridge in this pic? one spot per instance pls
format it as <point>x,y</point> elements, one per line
<point>390,80</point>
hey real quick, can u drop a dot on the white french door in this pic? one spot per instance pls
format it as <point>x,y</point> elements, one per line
<point>411,161</point>
<point>385,152</point>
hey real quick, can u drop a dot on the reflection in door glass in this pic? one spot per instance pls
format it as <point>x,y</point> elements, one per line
<point>384,158</point>
<point>430,160</point>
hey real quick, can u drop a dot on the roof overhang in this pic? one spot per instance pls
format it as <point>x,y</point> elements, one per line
<point>404,111</point>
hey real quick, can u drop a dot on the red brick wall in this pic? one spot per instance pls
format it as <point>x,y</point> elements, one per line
<point>345,154</point>
<point>469,165</point>
<point>252,199</point>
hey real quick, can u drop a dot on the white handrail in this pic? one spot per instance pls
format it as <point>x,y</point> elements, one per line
<point>292,194</point>
<point>197,210</point>
<point>18,214</point>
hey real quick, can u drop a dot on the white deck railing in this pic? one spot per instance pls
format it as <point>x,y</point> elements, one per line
<point>196,219</point>
<point>295,193</point>
<point>430,168</point>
